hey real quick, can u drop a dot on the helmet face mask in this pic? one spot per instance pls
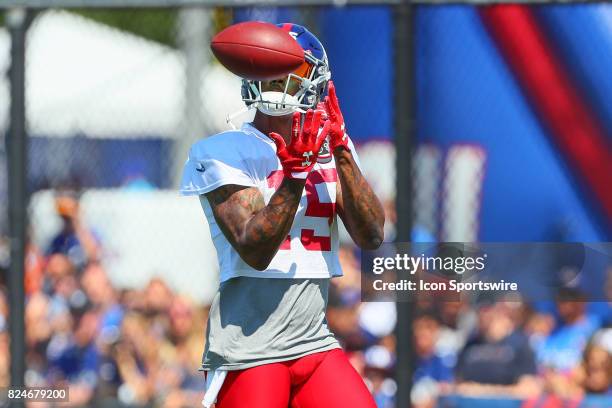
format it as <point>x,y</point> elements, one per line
<point>302,88</point>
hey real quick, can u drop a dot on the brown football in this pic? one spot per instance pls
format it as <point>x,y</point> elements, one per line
<point>257,50</point>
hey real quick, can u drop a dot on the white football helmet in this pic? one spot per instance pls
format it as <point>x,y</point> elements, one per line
<point>302,88</point>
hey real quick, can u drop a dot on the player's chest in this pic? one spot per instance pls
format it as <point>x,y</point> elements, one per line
<point>319,194</point>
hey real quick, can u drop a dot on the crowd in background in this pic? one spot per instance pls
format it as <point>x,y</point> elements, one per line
<point>144,346</point>
<point>541,353</point>
<point>109,345</point>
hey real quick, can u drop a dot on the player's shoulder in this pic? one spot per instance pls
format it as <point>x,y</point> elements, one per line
<point>220,141</point>
<point>241,142</point>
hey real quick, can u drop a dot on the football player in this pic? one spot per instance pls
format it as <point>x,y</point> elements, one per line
<point>271,192</point>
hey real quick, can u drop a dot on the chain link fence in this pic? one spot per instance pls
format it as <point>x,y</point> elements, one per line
<point>499,88</point>
<point>120,270</point>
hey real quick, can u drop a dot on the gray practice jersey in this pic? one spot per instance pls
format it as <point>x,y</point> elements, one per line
<point>255,321</point>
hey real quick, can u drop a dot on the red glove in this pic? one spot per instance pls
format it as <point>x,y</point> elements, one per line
<point>337,134</point>
<point>300,156</point>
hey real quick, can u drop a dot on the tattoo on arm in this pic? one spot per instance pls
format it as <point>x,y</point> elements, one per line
<point>358,206</point>
<point>254,229</point>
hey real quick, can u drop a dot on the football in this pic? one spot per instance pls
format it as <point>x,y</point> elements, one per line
<point>257,50</point>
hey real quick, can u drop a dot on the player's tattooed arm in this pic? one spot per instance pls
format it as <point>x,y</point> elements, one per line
<point>357,205</point>
<point>257,230</point>
<point>254,229</point>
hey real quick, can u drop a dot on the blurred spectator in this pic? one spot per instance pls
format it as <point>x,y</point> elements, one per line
<point>132,299</point>
<point>68,293</point>
<point>38,327</point>
<point>75,357</point>
<point>143,346</point>
<point>187,337</point>
<point>426,331</point>
<point>378,364</point>
<point>34,268</point>
<point>432,372</point>
<point>603,338</point>
<point>344,305</point>
<point>105,299</point>
<point>498,360</point>
<point>538,327</point>
<point>58,266</point>
<point>158,297</point>
<point>348,287</point>
<point>595,373</point>
<point>150,356</point>
<point>74,239</point>
<point>135,355</point>
<point>157,301</point>
<point>62,287</point>
<point>343,320</point>
<point>592,376</point>
<point>357,360</point>
<point>458,321</point>
<point>561,352</point>
<point>377,319</point>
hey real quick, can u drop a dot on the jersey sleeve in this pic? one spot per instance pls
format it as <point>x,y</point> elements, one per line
<point>210,166</point>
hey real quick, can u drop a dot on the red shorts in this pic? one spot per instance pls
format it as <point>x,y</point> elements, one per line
<point>318,380</point>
